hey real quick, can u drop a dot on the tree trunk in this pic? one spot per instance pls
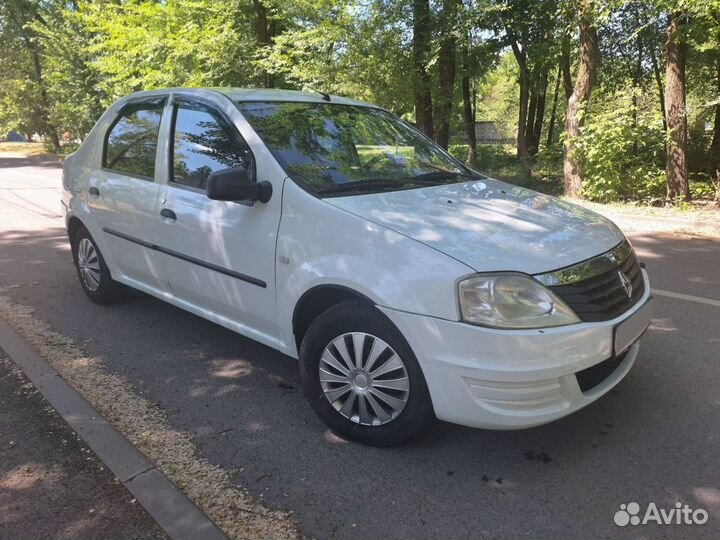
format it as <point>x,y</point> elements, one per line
<point>661,91</point>
<point>587,72</point>
<point>263,37</point>
<point>50,130</point>
<point>537,125</point>
<point>446,69</point>
<point>421,55</point>
<point>521,58</point>
<point>565,66</point>
<point>532,107</point>
<point>468,111</point>
<point>714,151</point>
<point>636,90</point>
<point>676,166</point>
<point>522,151</point>
<point>553,112</point>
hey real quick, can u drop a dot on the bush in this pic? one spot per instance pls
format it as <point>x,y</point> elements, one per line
<point>702,189</point>
<point>489,156</point>
<point>499,161</point>
<point>622,159</point>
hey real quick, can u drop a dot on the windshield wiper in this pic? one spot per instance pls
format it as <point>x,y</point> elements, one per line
<point>379,183</point>
<point>437,175</point>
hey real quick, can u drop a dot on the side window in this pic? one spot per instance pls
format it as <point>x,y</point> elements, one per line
<point>131,143</point>
<point>203,144</point>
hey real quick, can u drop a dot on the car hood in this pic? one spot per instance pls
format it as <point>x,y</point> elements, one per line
<point>490,225</point>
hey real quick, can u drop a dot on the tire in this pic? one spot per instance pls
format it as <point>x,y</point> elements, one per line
<point>92,271</point>
<point>354,322</point>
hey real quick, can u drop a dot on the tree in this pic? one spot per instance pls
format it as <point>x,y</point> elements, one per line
<point>446,71</point>
<point>675,110</point>
<point>587,73</point>
<point>528,28</point>
<point>264,32</point>
<point>25,86</point>
<point>468,106</point>
<point>421,49</point>
<point>536,111</point>
<point>553,112</point>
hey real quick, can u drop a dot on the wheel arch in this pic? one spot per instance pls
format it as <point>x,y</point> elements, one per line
<point>74,224</point>
<point>317,300</point>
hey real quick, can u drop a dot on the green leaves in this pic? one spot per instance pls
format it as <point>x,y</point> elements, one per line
<point>621,149</point>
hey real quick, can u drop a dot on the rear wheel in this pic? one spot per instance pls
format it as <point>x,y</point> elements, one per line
<point>361,377</point>
<point>92,271</point>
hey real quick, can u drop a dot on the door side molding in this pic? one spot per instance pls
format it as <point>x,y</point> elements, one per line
<point>188,258</point>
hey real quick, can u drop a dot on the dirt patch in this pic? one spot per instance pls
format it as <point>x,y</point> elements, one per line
<point>146,426</point>
<point>702,222</point>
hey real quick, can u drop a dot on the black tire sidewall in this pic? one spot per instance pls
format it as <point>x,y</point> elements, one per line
<point>356,316</point>
<point>108,291</point>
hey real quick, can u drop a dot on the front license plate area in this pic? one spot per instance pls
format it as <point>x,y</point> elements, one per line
<point>628,331</point>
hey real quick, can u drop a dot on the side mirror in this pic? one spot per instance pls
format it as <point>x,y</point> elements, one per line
<point>236,184</point>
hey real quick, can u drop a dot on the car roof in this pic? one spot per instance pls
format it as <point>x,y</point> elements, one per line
<point>257,94</point>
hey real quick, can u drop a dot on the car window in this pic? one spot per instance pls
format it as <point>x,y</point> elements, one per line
<point>132,141</point>
<point>203,144</point>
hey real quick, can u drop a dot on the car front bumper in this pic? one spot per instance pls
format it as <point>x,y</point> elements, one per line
<point>514,379</point>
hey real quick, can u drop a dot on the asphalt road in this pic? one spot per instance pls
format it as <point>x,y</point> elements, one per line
<point>654,438</point>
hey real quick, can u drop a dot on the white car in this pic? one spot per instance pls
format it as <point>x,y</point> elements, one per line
<point>408,286</point>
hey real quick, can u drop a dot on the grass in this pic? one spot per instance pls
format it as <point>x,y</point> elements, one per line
<point>22,149</point>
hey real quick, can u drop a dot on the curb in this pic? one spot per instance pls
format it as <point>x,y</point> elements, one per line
<point>161,499</point>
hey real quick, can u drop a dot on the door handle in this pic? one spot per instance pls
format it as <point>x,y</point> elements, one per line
<point>95,192</point>
<point>167,213</point>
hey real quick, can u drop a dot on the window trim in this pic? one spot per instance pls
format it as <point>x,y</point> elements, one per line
<point>150,103</point>
<point>176,103</point>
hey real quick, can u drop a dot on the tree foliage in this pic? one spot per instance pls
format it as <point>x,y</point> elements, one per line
<point>441,63</point>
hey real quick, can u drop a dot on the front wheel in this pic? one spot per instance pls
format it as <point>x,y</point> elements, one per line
<point>361,377</point>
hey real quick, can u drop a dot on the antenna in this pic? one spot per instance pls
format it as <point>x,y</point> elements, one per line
<point>325,95</point>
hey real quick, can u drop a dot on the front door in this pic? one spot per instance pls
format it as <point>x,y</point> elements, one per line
<point>218,255</point>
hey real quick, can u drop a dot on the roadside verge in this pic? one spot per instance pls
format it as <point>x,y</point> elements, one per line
<point>165,454</point>
<point>167,505</point>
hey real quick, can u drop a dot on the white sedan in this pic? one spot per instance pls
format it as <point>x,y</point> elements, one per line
<point>408,286</point>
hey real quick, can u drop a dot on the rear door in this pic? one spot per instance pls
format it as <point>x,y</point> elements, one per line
<point>123,194</point>
<point>218,255</point>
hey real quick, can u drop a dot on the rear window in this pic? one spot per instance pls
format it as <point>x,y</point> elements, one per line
<point>131,143</point>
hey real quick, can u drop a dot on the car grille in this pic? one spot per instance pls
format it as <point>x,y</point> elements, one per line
<point>594,375</point>
<point>603,296</point>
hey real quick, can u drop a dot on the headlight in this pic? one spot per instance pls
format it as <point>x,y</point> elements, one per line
<point>512,301</point>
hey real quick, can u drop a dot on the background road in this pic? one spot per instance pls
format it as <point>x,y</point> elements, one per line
<point>655,437</point>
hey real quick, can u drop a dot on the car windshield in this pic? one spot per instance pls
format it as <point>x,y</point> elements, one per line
<point>333,149</point>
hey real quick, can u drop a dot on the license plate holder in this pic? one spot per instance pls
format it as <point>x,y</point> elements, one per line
<point>629,331</point>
